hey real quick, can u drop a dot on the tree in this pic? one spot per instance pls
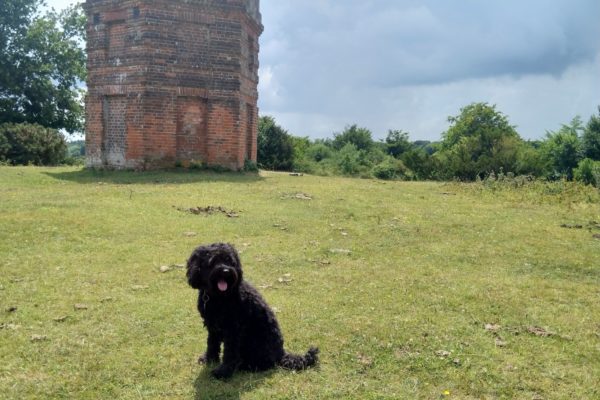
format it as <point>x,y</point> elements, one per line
<point>275,145</point>
<point>348,160</point>
<point>361,138</point>
<point>563,149</point>
<point>42,65</point>
<point>591,137</point>
<point>22,144</point>
<point>397,143</point>
<point>588,172</point>
<point>480,140</point>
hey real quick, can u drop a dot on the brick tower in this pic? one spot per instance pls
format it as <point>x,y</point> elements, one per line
<point>172,82</point>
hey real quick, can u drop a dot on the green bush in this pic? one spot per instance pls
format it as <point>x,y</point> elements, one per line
<point>31,144</point>
<point>4,148</point>
<point>588,172</point>
<point>348,160</point>
<point>275,146</point>
<point>250,166</point>
<point>319,151</point>
<point>562,150</point>
<point>391,168</point>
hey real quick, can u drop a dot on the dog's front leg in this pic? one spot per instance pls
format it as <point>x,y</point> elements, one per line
<point>231,357</point>
<point>213,348</point>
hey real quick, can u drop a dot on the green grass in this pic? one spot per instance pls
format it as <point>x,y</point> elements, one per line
<point>429,266</point>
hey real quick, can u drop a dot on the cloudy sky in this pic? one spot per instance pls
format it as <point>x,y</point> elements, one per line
<point>409,64</point>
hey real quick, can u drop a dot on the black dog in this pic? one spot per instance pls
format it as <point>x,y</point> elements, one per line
<point>236,315</point>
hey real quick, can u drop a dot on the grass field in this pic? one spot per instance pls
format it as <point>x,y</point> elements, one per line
<point>411,290</point>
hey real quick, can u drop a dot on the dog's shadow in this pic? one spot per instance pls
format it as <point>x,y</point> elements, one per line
<point>206,387</point>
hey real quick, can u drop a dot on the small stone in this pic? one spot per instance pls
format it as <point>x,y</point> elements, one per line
<point>80,307</point>
<point>61,319</point>
<point>190,234</point>
<point>165,268</point>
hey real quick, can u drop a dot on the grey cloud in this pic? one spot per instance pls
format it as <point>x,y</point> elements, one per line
<point>406,42</point>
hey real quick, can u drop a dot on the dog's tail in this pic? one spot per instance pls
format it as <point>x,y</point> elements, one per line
<point>297,362</point>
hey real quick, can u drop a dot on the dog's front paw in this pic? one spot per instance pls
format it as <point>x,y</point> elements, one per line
<point>206,359</point>
<point>222,372</point>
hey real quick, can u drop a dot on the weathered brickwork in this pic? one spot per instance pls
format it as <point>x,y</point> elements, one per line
<point>172,81</point>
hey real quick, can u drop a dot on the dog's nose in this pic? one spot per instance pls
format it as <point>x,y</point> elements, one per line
<point>226,270</point>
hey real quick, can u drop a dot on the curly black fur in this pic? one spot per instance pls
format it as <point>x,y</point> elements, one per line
<point>236,315</point>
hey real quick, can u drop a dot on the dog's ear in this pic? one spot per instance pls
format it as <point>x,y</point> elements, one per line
<point>197,260</point>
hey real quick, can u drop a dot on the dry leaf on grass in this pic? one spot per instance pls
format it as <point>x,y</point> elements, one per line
<point>168,268</point>
<point>538,331</point>
<point>364,360</point>
<point>297,196</point>
<point>492,327</point>
<point>286,278</point>
<point>340,251</point>
<point>11,327</point>
<point>442,353</point>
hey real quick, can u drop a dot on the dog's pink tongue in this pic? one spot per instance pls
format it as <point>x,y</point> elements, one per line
<point>222,285</point>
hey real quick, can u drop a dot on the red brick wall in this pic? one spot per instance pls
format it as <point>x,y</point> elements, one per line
<point>176,80</point>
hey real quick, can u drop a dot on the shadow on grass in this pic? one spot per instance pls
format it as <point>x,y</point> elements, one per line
<point>175,176</point>
<point>206,387</point>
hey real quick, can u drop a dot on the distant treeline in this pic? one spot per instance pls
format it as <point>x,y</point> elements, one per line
<point>479,142</point>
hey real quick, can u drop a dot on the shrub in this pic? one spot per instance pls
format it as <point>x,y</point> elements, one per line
<point>419,162</point>
<point>32,144</point>
<point>4,147</point>
<point>588,172</point>
<point>563,150</point>
<point>275,146</point>
<point>319,151</point>
<point>391,168</point>
<point>250,166</point>
<point>348,160</point>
